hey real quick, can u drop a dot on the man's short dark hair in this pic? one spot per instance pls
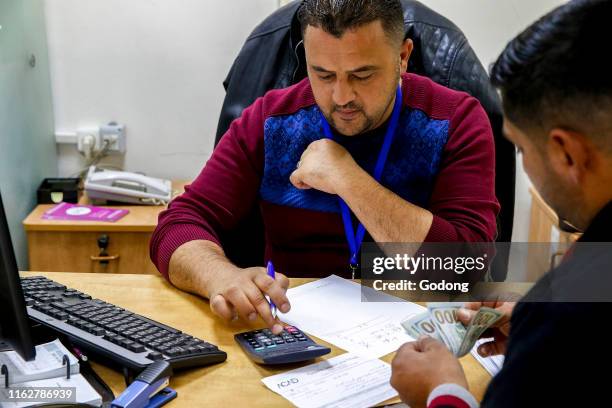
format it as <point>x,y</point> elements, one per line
<point>555,75</point>
<point>337,16</point>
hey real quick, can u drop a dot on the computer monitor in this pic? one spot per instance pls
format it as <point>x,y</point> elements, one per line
<point>14,322</point>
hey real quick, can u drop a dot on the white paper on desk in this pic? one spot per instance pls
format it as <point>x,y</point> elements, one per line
<point>332,309</point>
<point>348,380</point>
<point>492,364</point>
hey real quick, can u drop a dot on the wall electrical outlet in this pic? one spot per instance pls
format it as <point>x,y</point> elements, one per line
<point>93,140</point>
<point>114,135</point>
<point>88,140</point>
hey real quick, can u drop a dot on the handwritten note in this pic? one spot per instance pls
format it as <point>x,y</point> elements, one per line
<point>358,320</point>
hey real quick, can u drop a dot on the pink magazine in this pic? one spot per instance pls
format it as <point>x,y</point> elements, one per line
<point>76,212</point>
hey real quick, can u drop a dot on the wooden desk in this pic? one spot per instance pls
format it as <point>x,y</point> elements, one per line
<point>234,383</point>
<point>73,245</point>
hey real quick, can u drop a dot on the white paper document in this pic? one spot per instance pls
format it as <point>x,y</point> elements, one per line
<point>491,364</point>
<point>348,380</point>
<point>358,320</point>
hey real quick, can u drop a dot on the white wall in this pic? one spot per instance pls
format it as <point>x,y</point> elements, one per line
<point>157,67</point>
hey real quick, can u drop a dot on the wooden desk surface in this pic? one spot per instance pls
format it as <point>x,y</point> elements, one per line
<point>141,218</point>
<point>234,383</point>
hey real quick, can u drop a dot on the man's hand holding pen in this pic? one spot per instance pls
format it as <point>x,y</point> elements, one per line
<point>243,295</point>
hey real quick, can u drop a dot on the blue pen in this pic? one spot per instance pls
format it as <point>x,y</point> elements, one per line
<point>271,274</point>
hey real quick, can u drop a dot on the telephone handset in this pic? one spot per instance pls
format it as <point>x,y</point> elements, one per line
<point>124,186</point>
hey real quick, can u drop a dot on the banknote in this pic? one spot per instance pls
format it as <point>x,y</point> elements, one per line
<point>421,324</point>
<point>444,317</point>
<point>440,322</point>
<point>482,320</point>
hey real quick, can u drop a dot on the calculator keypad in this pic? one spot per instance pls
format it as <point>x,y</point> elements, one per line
<point>264,339</point>
<point>289,346</point>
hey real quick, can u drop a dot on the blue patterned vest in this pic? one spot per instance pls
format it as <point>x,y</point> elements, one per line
<point>411,168</point>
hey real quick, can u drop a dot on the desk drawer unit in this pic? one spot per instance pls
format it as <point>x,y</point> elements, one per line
<point>125,252</point>
<point>72,246</point>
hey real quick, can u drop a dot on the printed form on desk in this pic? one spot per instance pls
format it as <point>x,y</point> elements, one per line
<point>348,380</point>
<point>358,320</point>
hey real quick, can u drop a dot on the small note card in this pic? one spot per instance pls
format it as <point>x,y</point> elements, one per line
<point>76,212</point>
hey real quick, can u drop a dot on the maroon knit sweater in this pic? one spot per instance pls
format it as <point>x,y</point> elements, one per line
<point>442,159</point>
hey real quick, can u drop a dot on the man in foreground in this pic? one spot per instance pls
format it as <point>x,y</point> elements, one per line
<point>557,97</point>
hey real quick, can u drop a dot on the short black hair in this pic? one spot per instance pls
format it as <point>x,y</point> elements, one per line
<point>337,16</point>
<point>555,75</point>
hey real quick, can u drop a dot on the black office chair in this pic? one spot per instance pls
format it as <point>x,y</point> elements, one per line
<point>273,57</point>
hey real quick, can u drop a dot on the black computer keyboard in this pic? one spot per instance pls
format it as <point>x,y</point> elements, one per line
<point>128,339</point>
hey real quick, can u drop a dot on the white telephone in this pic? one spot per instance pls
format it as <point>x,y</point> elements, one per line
<point>123,186</point>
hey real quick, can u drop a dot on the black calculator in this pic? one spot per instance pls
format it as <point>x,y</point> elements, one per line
<point>289,346</point>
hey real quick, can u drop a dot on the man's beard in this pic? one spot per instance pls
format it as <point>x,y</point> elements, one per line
<point>371,121</point>
<point>368,124</point>
<point>565,203</point>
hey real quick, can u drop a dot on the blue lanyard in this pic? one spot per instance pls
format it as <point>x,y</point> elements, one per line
<point>355,240</point>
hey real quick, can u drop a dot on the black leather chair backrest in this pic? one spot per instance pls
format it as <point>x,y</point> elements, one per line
<point>273,57</point>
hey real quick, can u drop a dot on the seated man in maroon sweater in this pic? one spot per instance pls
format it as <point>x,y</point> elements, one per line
<point>437,182</point>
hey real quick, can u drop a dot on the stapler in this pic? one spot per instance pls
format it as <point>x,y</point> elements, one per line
<point>149,390</point>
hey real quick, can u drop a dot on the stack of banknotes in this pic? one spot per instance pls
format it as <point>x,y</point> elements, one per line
<point>440,322</point>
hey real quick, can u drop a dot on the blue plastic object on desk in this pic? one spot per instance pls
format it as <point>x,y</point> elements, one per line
<point>149,389</point>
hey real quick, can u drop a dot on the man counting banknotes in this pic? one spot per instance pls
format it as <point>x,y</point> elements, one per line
<point>441,321</point>
<point>557,96</point>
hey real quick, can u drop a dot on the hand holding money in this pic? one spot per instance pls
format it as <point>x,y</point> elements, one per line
<point>420,366</point>
<point>498,332</point>
<point>442,322</point>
